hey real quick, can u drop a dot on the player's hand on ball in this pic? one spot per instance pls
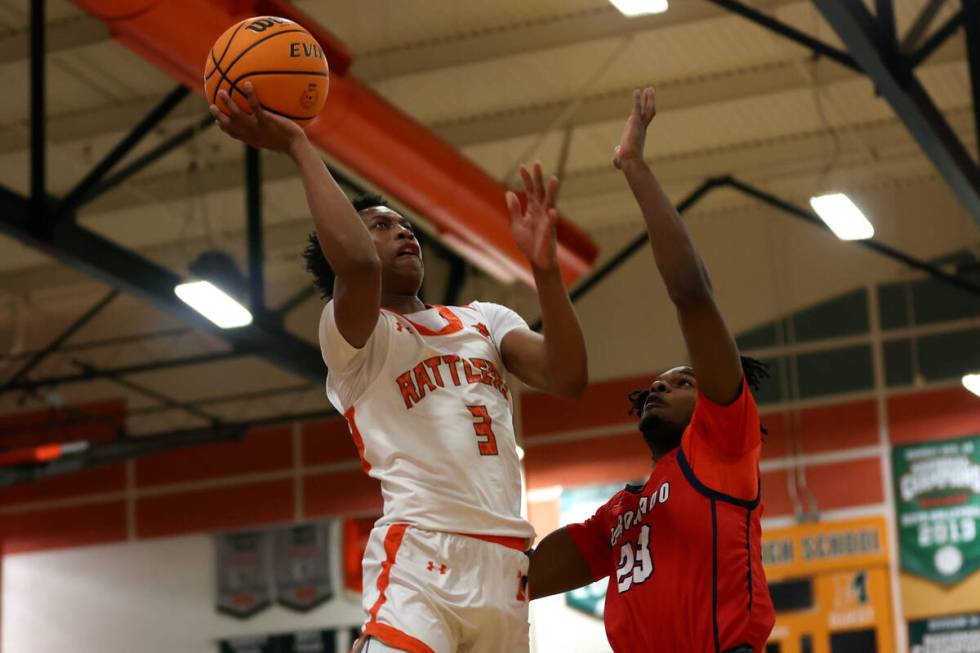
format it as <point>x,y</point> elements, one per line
<point>258,129</point>
<point>533,227</point>
<point>630,148</point>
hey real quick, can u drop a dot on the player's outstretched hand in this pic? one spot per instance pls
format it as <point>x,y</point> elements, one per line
<point>630,148</point>
<point>533,227</point>
<point>258,129</point>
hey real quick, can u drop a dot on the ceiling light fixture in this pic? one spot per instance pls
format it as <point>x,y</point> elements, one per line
<point>843,217</point>
<point>631,8</point>
<point>212,291</point>
<point>972,383</point>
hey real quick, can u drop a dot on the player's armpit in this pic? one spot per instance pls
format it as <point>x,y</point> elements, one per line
<point>557,565</point>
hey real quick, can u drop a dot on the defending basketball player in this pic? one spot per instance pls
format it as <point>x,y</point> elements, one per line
<point>424,391</point>
<point>682,551</point>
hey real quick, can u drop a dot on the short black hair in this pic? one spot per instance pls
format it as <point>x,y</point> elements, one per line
<point>316,263</point>
<point>755,372</point>
<point>368,201</point>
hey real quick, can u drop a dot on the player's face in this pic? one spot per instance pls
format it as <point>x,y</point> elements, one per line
<point>670,404</point>
<point>398,249</point>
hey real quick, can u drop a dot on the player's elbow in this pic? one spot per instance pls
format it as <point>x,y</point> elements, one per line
<point>571,386</point>
<point>689,293</point>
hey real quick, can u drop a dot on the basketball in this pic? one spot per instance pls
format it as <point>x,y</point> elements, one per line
<point>282,60</point>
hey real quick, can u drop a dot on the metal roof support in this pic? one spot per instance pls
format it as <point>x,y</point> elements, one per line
<point>92,373</point>
<point>937,39</point>
<point>38,113</point>
<point>253,210</point>
<point>80,193</point>
<point>709,185</point>
<point>631,248</point>
<point>885,10</point>
<point>808,216</point>
<point>971,21</point>
<point>82,249</point>
<point>913,37</point>
<point>814,44</point>
<point>53,346</point>
<point>892,74</point>
<point>165,147</point>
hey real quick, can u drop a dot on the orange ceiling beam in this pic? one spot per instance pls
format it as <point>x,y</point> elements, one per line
<point>357,127</point>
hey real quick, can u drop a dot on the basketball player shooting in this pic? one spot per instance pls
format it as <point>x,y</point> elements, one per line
<point>682,551</point>
<point>424,392</point>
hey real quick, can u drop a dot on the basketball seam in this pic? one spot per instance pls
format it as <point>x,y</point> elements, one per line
<point>279,72</point>
<point>217,62</point>
<point>286,115</point>
<point>241,54</point>
<point>225,73</point>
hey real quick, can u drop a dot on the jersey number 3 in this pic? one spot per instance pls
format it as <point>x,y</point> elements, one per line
<point>485,438</point>
<point>634,568</point>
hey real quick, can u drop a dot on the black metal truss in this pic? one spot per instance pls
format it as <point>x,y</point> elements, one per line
<point>709,185</point>
<point>874,49</point>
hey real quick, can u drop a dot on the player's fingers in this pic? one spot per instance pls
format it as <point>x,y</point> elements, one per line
<point>253,100</point>
<point>552,217</point>
<point>234,112</point>
<point>551,192</point>
<point>528,182</point>
<point>514,204</point>
<point>538,181</point>
<point>637,106</point>
<point>649,103</point>
<point>223,121</point>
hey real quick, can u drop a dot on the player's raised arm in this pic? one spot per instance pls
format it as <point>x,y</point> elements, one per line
<point>710,345</point>
<point>343,237</point>
<point>554,361</point>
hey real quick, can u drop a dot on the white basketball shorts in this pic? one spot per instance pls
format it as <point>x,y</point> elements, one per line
<point>428,592</point>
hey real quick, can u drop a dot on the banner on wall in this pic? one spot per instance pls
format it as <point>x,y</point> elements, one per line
<point>243,573</point>
<point>577,505</point>
<point>357,530</point>
<point>937,498</point>
<point>303,566</point>
<point>946,634</point>
<point>311,641</point>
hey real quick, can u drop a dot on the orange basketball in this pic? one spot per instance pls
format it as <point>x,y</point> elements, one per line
<point>281,59</point>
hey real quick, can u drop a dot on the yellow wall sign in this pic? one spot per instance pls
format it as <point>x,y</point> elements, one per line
<point>831,587</point>
<point>810,548</point>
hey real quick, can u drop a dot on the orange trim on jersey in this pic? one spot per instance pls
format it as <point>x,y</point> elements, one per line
<point>393,540</point>
<point>454,322</point>
<point>396,638</point>
<point>386,633</point>
<point>358,440</point>
<point>516,543</point>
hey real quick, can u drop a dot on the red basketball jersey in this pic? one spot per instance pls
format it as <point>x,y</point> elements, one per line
<point>683,551</point>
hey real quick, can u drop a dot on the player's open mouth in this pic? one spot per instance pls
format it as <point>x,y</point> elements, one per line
<point>409,250</point>
<point>653,400</point>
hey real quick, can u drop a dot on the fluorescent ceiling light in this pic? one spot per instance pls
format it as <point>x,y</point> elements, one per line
<point>972,383</point>
<point>842,216</point>
<point>640,7</point>
<point>214,304</point>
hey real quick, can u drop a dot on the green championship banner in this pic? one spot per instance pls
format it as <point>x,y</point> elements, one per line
<point>956,634</point>
<point>937,496</point>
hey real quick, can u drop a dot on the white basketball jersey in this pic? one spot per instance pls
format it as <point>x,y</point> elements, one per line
<point>428,406</point>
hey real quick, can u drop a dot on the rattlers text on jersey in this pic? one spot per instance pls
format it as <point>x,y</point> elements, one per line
<point>431,414</point>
